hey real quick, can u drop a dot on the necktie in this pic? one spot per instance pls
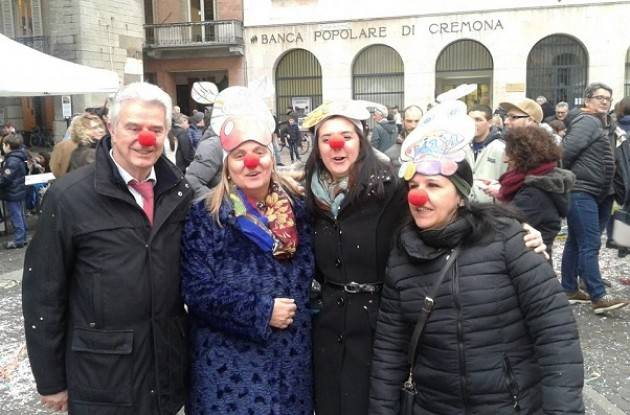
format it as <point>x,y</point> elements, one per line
<point>146,191</point>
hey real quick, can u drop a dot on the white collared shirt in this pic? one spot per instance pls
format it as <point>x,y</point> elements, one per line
<point>128,177</point>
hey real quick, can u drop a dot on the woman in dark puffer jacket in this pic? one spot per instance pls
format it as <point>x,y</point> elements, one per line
<point>534,184</point>
<point>501,338</point>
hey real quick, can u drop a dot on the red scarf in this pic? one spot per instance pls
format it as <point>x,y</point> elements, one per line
<point>512,180</point>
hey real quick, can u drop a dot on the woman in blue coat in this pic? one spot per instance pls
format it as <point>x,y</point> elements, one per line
<point>247,265</point>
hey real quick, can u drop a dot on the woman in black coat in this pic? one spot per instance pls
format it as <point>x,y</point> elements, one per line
<point>501,337</point>
<point>533,184</point>
<point>356,201</point>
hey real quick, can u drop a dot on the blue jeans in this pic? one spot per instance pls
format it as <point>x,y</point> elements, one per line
<point>16,214</point>
<point>586,221</point>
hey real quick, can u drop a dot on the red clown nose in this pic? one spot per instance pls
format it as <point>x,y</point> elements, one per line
<point>336,142</point>
<point>251,161</point>
<point>146,138</point>
<point>417,197</point>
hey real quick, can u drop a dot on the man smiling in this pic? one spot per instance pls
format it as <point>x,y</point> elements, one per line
<point>105,325</point>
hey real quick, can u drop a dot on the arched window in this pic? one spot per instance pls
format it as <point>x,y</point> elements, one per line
<point>557,68</point>
<point>298,83</point>
<point>627,83</point>
<point>378,75</point>
<point>465,62</point>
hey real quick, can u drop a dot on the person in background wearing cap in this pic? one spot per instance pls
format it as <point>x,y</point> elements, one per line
<point>500,336</point>
<point>485,154</point>
<point>106,328</point>
<point>357,203</point>
<point>195,129</point>
<point>247,266</point>
<point>385,130</point>
<point>588,151</point>
<point>410,119</point>
<point>525,113</point>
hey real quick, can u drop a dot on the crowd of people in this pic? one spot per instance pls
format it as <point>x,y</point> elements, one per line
<point>174,265</point>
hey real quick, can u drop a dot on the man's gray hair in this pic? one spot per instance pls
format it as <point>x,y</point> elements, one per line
<point>145,92</point>
<point>592,87</point>
<point>562,104</point>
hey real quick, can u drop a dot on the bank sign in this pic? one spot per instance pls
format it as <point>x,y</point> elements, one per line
<point>378,32</point>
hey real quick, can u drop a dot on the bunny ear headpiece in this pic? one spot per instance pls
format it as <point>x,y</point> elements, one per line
<point>239,101</point>
<point>438,143</point>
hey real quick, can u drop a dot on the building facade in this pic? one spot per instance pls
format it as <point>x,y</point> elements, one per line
<point>106,34</point>
<point>193,40</point>
<point>402,52</point>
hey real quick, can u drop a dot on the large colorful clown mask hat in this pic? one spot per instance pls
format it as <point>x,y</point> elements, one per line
<point>438,145</point>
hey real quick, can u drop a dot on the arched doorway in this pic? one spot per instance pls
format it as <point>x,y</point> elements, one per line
<point>378,75</point>
<point>298,84</point>
<point>557,68</point>
<point>465,62</point>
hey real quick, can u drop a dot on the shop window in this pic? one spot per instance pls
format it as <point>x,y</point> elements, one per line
<point>378,75</point>
<point>557,68</point>
<point>465,62</point>
<point>298,84</point>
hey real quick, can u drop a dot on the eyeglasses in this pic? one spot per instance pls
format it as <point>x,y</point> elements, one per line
<point>602,98</point>
<point>516,117</point>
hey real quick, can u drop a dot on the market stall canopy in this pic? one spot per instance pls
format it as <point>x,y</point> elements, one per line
<point>28,72</point>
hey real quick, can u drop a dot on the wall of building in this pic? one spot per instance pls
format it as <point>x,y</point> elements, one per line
<point>508,35</point>
<point>273,12</point>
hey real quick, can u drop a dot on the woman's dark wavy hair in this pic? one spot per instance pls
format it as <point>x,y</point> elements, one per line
<point>484,218</point>
<point>529,147</point>
<point>363,171</point>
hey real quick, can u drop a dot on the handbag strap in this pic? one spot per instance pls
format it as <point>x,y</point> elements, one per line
<point>428,307</point>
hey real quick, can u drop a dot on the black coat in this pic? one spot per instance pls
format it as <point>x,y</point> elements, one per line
<point>355,248</point>
<point>102,310</point>
<point>13,171</point>
<point>588,152</point>
<point>501,332</point>
<point>185,152</point>
<point>544,201</point>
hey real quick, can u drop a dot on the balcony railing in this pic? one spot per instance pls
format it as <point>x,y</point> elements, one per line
<point>36,42</point>
<point>187,34</point>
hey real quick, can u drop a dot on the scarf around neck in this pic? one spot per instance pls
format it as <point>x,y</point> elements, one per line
<point>329,193</point>
<point>269,224</point>
<point>512,180</point>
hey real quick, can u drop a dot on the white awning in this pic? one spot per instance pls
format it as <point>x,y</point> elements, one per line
<point>28,72</point>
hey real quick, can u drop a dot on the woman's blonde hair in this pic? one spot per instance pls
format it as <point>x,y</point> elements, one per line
<point>80,125</point>
<point>221,192</point>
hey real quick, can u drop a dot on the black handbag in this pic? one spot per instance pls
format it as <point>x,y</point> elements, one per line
<point>408,391</point>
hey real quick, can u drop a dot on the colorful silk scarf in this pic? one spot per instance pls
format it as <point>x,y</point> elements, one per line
<point>270,225</point>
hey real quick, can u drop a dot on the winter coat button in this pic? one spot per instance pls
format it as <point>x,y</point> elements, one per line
<point>338,262</point>
<point>340,338</point>
<point>340,301</point>
<point>92,325</point>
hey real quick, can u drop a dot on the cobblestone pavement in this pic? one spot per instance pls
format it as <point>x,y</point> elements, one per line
<point>605,341</point>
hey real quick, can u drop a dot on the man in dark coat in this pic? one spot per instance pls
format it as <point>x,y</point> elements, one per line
<point>105,324</point>
<point>588,151</point>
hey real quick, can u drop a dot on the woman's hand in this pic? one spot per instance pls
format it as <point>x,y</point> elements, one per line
<point>533,240</point>
<point>283,312</point>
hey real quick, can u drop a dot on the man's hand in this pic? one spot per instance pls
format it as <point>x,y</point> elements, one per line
<point>283,313</point>
<point>57,402</point>
<point>533,240</point>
